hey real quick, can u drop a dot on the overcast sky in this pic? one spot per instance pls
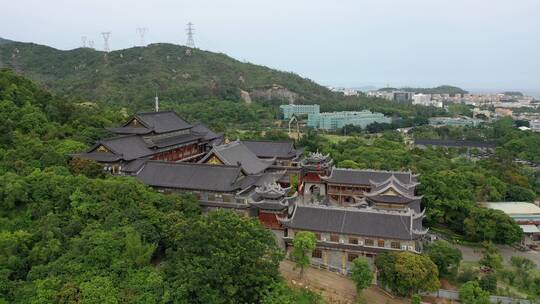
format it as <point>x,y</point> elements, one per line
<point>490,44</point>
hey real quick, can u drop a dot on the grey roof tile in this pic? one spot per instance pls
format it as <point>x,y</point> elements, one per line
<point>269,149</point>
<point>192,176</point>
<point>237,153</point>
<point>455,143</point>
<point>163,121</point>
<point>353,221</point>
<point>126,147</point>
<point>366,177</point>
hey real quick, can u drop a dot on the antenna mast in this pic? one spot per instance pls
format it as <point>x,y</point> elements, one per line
<point>190,31</point>
<point>106,36</point>
<point>141,31</point>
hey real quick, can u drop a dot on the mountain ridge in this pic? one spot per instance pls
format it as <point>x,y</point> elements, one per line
<point>136,74</point>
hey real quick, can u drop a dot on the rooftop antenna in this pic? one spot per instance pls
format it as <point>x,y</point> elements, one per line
<point>190,31</point>
<point>106,36</point>
<point>83,40</point>
<point>156,105</point>
<point>141,31</point>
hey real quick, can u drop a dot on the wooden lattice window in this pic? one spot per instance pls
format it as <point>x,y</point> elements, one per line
<point>317,253</point>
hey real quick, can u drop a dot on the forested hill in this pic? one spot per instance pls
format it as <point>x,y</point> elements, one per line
<point>444,89</point>
<point>133,75</point>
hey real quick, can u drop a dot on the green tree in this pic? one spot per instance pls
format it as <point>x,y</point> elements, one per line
<point>491,258</point>
<point>445,256</point>
<point>361,273</point>
<point>136,250</point>
<point>407,273</point>
<point>222,257</point>
<point>416,299</point>
<point>488,283</point>
<point>86,167</point>
<point>99,290</point>
<point>304,243</point>
<point>471,293</point>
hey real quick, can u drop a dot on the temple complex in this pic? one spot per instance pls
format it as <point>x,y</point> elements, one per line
<point>154,135</point>
<point>352,212</point>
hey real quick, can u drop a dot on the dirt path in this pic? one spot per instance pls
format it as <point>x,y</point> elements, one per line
<point>334,288</point>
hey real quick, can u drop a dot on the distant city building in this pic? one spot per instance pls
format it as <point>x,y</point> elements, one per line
<point>503,112</point>
<point>337,120</point>
<point>402,96</point>
<point>291,109</point>
<point>345,91</point>
<point>454,121</point>
<point>425,100</point>
<point>535,125</point>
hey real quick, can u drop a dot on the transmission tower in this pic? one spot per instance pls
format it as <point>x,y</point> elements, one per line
<point>91,44</point>
<point>106,36</point>
<point>83,40</point>
<point>190,31</point>
<point>141,31</point>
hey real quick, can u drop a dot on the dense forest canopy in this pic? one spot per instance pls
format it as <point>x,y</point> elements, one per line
<point>70,234</point>
<point>133,76</point>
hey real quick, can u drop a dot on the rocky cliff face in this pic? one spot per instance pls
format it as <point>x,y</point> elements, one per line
<point>274,93</point>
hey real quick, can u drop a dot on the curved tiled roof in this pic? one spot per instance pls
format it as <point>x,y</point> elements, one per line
<point>269,149</point>
<point>192,176</point>
<point>367,177</point>
<point>235,153</point>
<point>354,221</point>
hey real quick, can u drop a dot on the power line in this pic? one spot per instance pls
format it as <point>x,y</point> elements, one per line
<point>190,32</point>
<point>141,31</point>
<point>106,36</point>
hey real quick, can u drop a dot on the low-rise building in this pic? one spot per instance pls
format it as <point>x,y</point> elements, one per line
<point>454,121</point>
<point>337,120</point>
<point>290,110</point>
<point>525,214</point>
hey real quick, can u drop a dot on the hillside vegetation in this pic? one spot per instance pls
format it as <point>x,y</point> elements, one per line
<point>135,75</point>
<point>444,89</point>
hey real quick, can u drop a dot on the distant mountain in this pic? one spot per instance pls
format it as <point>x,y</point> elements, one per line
<point>444,89</point>
<point>3,41</point>
<point>175,72</point>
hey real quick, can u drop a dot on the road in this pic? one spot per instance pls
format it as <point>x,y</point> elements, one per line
<point>474,254</point>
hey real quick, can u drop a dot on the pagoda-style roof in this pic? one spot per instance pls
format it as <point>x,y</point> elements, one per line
<point>366,177</point>
<point>317,161</point>
<point>272,191</point>
<point>135,145</point>
<point>392,191</point>
<point>235,153</point>
<point>366,222</point>
<point>271,149</point>
<point>153,122</point>
<point>128,147</point>
<point>271,196</point>
<point>194,176</point>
